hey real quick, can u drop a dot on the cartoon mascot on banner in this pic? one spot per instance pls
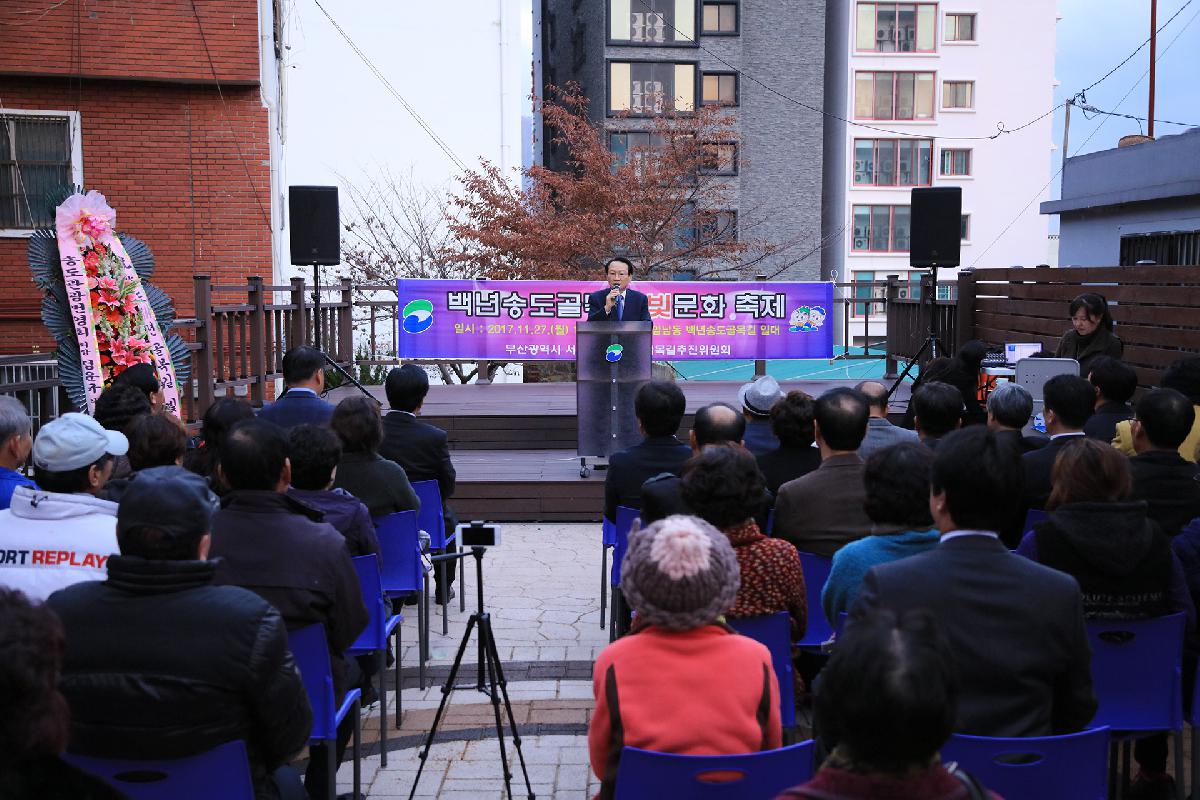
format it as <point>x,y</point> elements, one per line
<point>97,304</point>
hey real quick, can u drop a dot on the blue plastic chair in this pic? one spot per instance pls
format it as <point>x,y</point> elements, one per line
<point>311,651</point>
<point>608,539</point>
<point>402,573</point>
<point>1042,768</point>
<point>374,639</point>
<point>646,775</point>
<point>816,572</point>
<point>1138,677</point>
<point>432,521</point>
<point>221,772</point>
<point>775,631</point>
<point>1033,517</point>
<point>626,516</point>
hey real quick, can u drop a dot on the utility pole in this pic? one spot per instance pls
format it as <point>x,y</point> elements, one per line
<point>1153,47</point>
<point>1067,131</point>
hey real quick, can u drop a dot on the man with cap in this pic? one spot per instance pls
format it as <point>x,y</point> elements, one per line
<point>684,683</point>
<point>164,664</point>
<point>757,398</point>
<point>62,533</point>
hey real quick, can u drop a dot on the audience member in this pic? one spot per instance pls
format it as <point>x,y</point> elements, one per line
<point>16,440</point>
<point>36,720</point>
<point>937,410</point>
<point>1115,382</point>
<point>942,369</point>
<point>1009,407</point>
<point>659,406</point>
<point>757,399</point>
<point>1122,560</point>
<point>144,378</point>
<point>1015,627</point>
<point>155,440</point>
<point>61,532</point>
<point>823,510</point>
<point>218,420</point>
<point>896,480</point>
<point>792,422</point>
<point>227,673</point>
<point>280,549</point>
<point>968,362</point>
<point>422,449</point>
<point>1091,333</point>
<point>382,485</point>
<point>1161,476</point>
<point>1067,401</point>
<point>1184,377</point>
<point>304,379</point>
<point>314,452</point>
<point>880,432</point>
<point>724,487</point>
<point>684,683</point>
<point>886,703</point>
<point>116,407</point>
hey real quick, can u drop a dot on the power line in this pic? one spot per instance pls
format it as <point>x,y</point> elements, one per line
<point>1090,109</point>
<point>1080,94</point>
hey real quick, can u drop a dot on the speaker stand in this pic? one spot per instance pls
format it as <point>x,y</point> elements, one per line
<point>932,343</point>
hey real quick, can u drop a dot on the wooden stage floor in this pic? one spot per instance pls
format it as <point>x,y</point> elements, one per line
<point>514,444</point>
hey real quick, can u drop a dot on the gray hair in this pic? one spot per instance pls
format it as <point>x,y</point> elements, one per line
<point>14,419</point>
<point>1011,404</point>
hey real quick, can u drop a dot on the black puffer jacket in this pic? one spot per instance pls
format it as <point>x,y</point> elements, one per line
<point>161,664</point>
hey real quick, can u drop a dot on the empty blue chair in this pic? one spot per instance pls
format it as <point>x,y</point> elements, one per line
<point>311,651</point>
<point>775,631</point>
<point>374,639</point>
<point>646,775</point>
<point>432,521</point>
<point>221,772</point>
<point>402,574</point>
<point>626,516</point>
<point>816,572</point>
<point>1042,768</point>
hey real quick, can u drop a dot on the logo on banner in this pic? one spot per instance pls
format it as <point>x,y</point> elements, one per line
<point>418,316</point>
<point>614,353</point>
<point>806,319</point>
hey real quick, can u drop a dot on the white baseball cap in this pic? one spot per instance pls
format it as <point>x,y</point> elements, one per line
<point>74,441</point>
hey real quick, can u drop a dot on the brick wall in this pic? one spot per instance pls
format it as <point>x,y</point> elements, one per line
<point>157,40</point>
<point>165,158</point>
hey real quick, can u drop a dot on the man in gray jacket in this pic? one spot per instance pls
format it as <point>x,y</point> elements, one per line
<point>880,432</point>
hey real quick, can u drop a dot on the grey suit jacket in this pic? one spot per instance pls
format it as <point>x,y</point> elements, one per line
<point>823,510</point>
<point>1015,627</point>
<point>881,434</point>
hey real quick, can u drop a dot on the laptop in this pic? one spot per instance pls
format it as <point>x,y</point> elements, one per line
<point>1015,351</point>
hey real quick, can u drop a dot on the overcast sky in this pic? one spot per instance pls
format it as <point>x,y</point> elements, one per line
<point>444,59</point>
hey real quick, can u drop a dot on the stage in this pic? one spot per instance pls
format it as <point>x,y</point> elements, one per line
<point>513,445</point>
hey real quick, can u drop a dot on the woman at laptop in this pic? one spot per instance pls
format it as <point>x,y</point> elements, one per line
<point>1091,332</point>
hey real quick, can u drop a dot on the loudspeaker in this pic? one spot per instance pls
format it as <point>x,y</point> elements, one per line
<point>936,227</point>
<point>313,218</point>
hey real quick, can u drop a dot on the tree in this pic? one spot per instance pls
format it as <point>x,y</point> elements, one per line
<point>660,204</point>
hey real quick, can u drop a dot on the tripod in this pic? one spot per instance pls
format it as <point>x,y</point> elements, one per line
<point>932,343</point>
<point>495,686</point>
<point>317,332</point>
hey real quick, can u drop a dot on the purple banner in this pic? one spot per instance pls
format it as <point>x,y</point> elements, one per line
<point>535,320</point>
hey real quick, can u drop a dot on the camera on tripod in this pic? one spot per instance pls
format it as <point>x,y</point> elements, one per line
<point>478,534</point>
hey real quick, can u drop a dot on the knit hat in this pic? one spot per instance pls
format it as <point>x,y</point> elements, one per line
<point>680,573</point>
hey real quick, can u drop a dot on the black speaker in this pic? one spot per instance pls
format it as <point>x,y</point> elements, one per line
<point>313,219</point>
<point>936,227</point>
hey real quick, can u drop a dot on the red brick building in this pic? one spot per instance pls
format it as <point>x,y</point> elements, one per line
<point>172,110</point>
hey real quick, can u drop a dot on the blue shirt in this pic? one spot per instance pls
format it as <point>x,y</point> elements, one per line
<point>10,480</point>
<point>851,562</point>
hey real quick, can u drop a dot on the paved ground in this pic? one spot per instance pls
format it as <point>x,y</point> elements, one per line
<point>543,591</point>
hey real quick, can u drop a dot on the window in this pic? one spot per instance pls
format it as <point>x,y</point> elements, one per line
<point>719,19</point>
<point>652,22</point>
<point>893,162</point>
<point>716,227</point>
<point>632,145</point>
<point>959,28</point>
<point>39,156</point>
<point>964,227</point>
<point>865,289</point>
<point>645,88</point>
<point>958,94</point>
<point>719,89</point>
<point>893,95</point>
<point>897,27</point>
<point>719,158</point>
<point>956,162</point>
<point>881,229</point>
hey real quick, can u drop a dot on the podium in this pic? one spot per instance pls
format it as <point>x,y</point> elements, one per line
<point>612,361</point>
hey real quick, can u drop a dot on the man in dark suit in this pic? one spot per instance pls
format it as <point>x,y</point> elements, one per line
<point>715,424</point>
<point>1161,476</point>
<point>1015,627</point>
<point>301,403</point>
<point>881,432</point>
<point>937,410</point>
<point>1068,401</point>
<point>659,406</point>
<point>1009,407</point>
<point>617,302</point>
<point>1114,382</point>
<point>420,448</point>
